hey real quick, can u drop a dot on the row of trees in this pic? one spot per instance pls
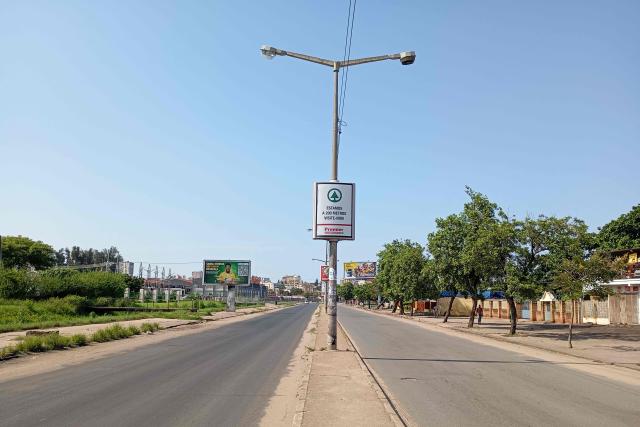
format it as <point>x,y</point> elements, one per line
<point>23,252</point>
<point>481,248</point>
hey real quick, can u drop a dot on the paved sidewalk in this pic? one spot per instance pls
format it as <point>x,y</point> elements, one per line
<point>617,345</point>
<point>12,338</point>
<point>340,391</point>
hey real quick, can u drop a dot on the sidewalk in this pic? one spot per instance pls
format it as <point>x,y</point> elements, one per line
<point>340,390</point>
<point>11,338</point>
<point>616,345</point>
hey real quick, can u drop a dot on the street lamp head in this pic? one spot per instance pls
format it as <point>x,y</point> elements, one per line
<point>268,51</point>
<point>407,58</point>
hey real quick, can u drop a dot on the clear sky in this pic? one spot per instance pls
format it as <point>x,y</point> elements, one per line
<point>158,127</point>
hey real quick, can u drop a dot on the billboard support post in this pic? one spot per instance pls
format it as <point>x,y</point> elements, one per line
<point>231,299</point>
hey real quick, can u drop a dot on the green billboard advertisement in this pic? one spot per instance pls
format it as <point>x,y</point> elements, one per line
<point>226,272</point>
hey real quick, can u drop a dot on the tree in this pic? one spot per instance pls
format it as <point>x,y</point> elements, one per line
<point>365,292</point>
<point>345,291</point>
<point>542,245</point>
<point>296,291</point>
<point>621,233</point>
<point>22,252</point>
<point>577,276</point>
<point>400,271</point>
<point>471,249</point>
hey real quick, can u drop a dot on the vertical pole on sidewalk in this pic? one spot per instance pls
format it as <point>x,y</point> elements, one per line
<point>332,306</point>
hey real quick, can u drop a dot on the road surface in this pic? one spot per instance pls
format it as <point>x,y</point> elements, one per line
<point>440,379</point>
<point>221,377</point>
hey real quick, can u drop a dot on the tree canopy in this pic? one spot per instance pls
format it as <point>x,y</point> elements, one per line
<point>471,249</point>
<point>621,233</point>
<point>22,252</point>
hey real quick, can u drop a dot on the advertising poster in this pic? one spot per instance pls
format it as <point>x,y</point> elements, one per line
<point>226,272</point>
<point>334,216</point>
<point>359,270</point>
<point>324,273</point>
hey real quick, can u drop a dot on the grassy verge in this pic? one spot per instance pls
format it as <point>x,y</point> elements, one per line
<point>20,315</point>
<point>43,343</point>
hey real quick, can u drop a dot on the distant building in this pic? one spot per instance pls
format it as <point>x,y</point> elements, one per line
<point>125,267</point>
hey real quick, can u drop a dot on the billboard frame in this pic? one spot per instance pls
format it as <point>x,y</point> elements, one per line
<point>344,270</point>
<point>223,261</point>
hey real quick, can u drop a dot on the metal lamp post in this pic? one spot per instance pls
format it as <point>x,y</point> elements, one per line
<point>406,58</point>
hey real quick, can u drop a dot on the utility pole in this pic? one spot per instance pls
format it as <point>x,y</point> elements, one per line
<point>406,58</point>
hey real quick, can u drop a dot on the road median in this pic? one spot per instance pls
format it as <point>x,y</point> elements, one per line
<point>340,390</point>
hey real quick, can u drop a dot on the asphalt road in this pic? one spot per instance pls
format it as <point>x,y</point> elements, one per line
<point>443,380</point>
<point>221,377</point>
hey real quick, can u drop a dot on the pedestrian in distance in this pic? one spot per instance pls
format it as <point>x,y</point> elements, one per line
<point>479,312</point>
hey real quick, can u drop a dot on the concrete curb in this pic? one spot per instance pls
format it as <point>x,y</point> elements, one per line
<point>443,329</point>
<point>303,388</point>
<point>377,384</point>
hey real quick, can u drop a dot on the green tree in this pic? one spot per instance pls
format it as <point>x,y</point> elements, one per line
<point>365,292</point>
<point>345,291</point>
<point>22,252</point>
<point>400,272</point>
<point>542,246</point>
<point>297,291</point>
<point>621,233</point>
<point>471,249</point>
<point>577,276</point>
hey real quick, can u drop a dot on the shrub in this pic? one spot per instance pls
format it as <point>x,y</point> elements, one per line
<point>103,302</point>
<point>40,343</point>
<point>134,330</point>
<point>101,335</point>
<point>79,340</point>
<point>17,284</point>
<point>114,332</point>
<point>22,284</point>
<point>67,306</point>
<point>149,327</point>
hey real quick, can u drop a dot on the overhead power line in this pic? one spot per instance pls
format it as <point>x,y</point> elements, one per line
<point>346,57</point>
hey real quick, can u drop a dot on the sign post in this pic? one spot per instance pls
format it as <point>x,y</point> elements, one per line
<point>333,220</point>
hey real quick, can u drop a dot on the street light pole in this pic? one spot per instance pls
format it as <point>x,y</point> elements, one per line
<point>406,58</point>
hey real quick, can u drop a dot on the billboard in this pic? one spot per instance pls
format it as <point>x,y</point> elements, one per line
<point>334,211</point>
<point>227,272</point>
<point>324,273</point>
<point>359,270</point>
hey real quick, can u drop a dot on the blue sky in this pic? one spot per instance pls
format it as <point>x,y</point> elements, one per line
<point>157,126</point>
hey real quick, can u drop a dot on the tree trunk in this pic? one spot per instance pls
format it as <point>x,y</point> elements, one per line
<point>448,313</point>
<point>472,316</point>
<point>571,325</point>
<point>369,304</point>
<point>395,305</point>
<point>401,307</point>
<point>513,315</point>
<point>412,304</point>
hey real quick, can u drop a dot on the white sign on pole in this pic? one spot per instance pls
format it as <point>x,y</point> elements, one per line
<point>334,211</point>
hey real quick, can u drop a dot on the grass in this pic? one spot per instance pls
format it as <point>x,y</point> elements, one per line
<point>43,343</point>
<point>20,315</point>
